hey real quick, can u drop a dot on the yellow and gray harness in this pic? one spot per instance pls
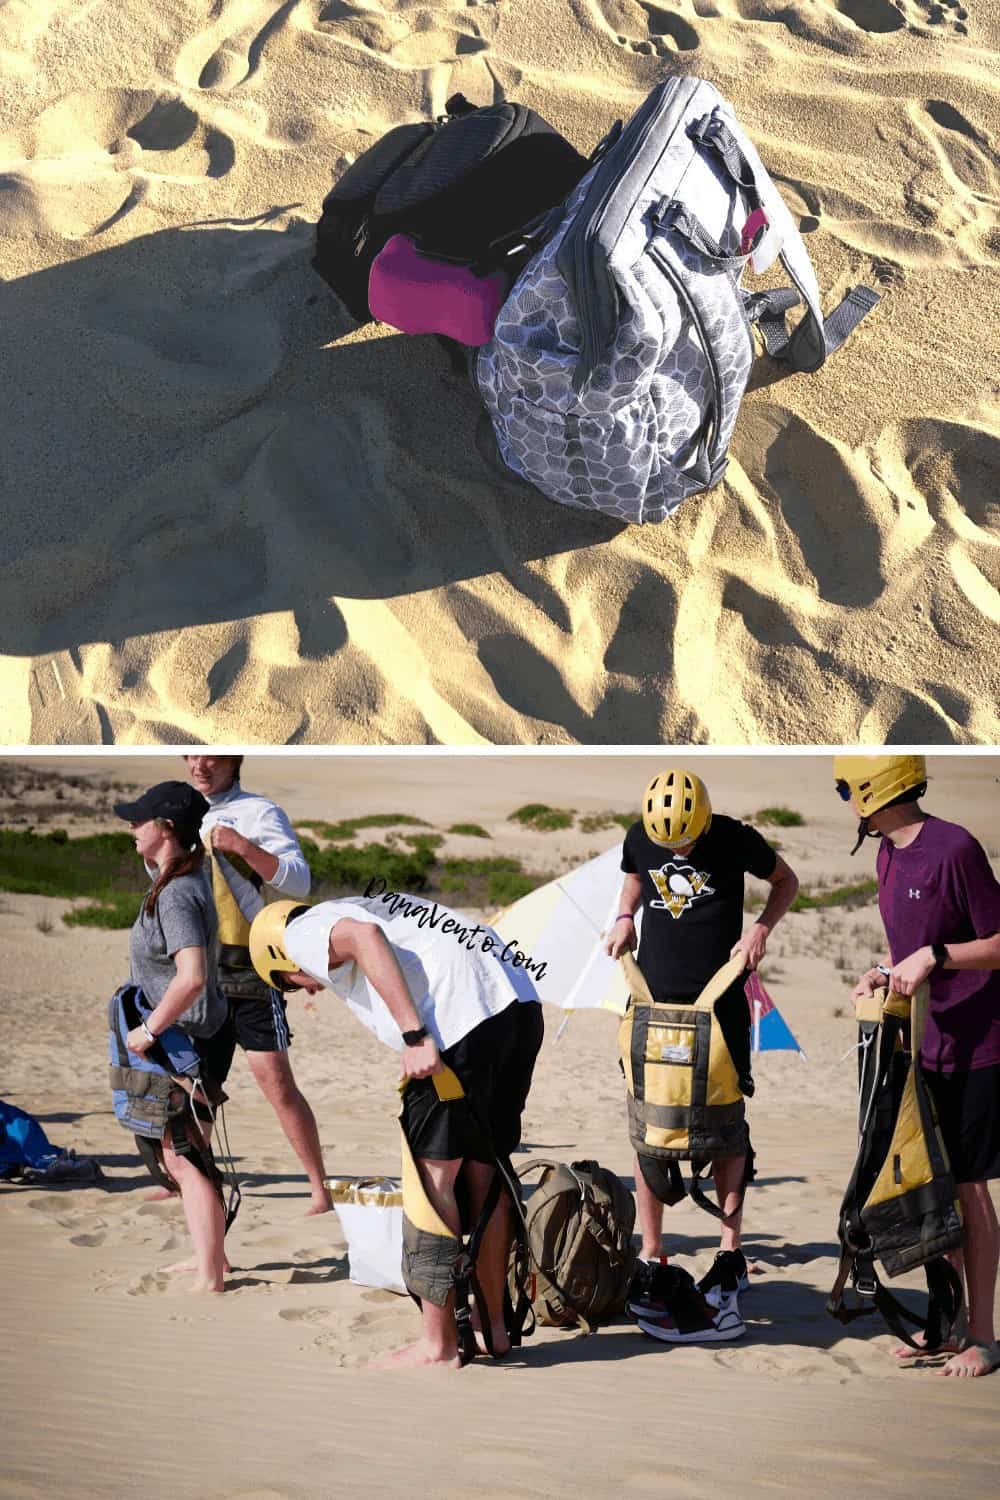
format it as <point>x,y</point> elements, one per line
<point>234,925</point>
<point>684,1097</point>
<point>901,1205</point>
<point>436,1260</point>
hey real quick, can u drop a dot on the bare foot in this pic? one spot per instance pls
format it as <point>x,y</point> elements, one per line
<point>974,1359</point>
<point>320,1204</point>
<point>501,1343</point>
<point>159,1195</point>
<point>953,1344</point>
<point>413,1355</point>
<point>199,1286</point>
<point>186,1266</point>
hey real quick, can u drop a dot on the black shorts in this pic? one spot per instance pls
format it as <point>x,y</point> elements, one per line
<point>257,1022</point>
<point>494,1064</point>
<point>968,1108</point>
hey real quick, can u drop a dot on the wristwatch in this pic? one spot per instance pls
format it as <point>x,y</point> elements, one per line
<point>414,1038</point>
<point>145,1029</point>
<point>940,953</point>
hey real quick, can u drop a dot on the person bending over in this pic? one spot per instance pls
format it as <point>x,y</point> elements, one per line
<point>441,995</point>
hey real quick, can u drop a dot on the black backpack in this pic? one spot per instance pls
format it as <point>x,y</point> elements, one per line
<point>465,187</point>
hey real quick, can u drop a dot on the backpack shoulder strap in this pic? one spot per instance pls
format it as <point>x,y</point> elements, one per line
<point>814,338</point>
<point>720,982</point>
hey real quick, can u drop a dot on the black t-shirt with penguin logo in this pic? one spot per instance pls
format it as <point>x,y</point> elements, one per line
<point>692,905</point>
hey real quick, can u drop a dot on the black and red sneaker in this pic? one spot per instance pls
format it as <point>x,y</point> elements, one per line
<point>667,1305</point>
<point>726,1276</point>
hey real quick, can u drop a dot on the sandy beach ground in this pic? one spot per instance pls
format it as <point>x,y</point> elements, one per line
<point>115,1382</point>
<point>229,515</point>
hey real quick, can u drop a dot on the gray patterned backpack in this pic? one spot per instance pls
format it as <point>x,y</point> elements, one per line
<point>620,357</point>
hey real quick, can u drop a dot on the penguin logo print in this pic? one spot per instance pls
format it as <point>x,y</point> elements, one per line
<point>679,886</point>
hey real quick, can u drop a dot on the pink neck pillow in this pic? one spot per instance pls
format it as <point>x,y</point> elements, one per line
<point>418,294</point>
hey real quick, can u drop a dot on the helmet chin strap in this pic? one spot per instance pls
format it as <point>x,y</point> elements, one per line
<point>864,832</point>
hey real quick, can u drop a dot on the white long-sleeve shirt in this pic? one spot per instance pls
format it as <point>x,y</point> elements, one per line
<point>265,824</point>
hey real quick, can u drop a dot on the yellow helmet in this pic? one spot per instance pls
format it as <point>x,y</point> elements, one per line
<point>876,780</point>
<point>267,940</point>
<point>675,808</point>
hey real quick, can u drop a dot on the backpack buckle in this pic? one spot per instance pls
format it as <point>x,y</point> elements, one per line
<point>756,225</point>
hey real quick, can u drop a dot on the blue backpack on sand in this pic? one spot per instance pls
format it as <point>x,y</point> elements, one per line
<point>27,1156</point>
<point>23,1142</point>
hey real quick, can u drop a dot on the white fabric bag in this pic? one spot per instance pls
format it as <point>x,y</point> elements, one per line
<point>370,1210</point>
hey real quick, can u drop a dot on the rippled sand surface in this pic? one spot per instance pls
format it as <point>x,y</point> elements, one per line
<point>229,517</point>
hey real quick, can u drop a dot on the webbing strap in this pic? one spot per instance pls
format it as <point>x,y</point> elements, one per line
<point>467,1280</point>
<point>767,310</point>
<point>714,134</point>
<point>697,1193</point>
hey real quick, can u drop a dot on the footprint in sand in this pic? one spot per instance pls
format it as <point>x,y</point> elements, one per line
<point>759,1360</point>
<point>644,28</point>
<point>950,15</point>
<point>88,1241</point>
<point>878,16</point>
<point>170,127</point>
<point>888,274</point>
<point>954,465</point>
<point>150,1284</point>
<point>406,37</point>
<point>229,51</point>
<point>966,161</point>
<point>844,559</point>
<point>306,1314</point>
<point>93,156</point>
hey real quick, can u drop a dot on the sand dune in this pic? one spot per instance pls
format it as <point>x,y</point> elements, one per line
<point>264,1394</point>
<point>231,517</point>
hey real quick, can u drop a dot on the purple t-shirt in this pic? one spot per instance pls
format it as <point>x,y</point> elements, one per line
<point>941,889</point>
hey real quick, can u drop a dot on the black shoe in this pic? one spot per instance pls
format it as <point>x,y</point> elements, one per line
<point>727,1274</point>
<point>695,1320</point>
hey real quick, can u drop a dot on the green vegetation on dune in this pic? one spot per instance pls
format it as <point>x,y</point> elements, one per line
<point>346,828</point>
<point>782,817</point>
<point>342,870</point>
<point>471,830</point>
<point>104,869</point>
<point>540,817</point>
<point>597,822</point>
<point>53,864</point>
<point>116,911</point>
<point>861,893</point>
<point>505,887</point>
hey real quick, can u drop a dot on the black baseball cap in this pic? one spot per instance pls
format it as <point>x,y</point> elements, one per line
<point>177,801</point>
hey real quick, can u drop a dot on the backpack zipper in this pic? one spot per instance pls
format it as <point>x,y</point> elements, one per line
<point>631,141</point>
<point>713,370</point>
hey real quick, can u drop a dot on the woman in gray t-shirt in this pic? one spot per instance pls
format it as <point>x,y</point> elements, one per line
<point>172,957</point>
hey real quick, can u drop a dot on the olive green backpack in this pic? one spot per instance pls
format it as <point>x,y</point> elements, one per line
<point>579,1256</point>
